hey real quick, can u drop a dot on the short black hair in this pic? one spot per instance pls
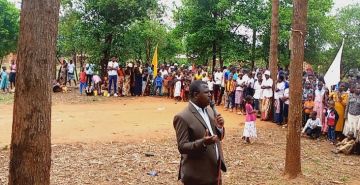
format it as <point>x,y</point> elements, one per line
<point>195,86</point>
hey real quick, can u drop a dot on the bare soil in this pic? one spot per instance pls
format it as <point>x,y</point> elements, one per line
<point>105,141</point>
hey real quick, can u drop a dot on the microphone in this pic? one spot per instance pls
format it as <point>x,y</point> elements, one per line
<point>212,105</point>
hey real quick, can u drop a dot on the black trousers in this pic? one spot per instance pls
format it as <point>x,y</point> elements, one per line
<point>313,133</point>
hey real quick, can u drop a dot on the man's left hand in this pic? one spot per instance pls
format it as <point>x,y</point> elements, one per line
<point>219,121</point>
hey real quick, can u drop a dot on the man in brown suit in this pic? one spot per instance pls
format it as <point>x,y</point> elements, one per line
<point>198,133</point>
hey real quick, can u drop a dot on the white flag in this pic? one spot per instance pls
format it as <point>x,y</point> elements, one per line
<point>332,76</point>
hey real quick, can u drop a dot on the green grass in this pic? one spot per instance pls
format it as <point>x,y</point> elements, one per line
<point>6,98</point>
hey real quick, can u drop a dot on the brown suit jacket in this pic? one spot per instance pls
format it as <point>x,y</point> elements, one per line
<point>198,164</point>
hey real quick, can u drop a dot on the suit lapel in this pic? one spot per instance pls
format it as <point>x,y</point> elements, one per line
<point>197,115</point>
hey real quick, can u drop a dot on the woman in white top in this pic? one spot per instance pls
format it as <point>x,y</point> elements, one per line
<point>266,85</point>
<point>258,92</point>
<point>278,103</point>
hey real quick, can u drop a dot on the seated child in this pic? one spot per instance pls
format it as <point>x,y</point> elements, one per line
<point>346,146</point>
<point>89,90</point>
<point>313,126</point>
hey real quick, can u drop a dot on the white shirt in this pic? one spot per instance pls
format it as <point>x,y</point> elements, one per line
<point>250,83</point>
<point>89,69</point>
<point>312,124</point>
<point>206,118</point>
<point>240,82</point>
<point>211,85</point>
<point>281,87</point>
<point>163,73</point>
<point>205,79</point>
<point>218,78</point>
<point>267,93</point>
<point>286,94</point>
<point>114,65</point>
<point>258,90</point>
<point>71,68</point>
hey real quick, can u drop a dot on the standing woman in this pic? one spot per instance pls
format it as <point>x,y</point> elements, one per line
<point>319,105</point>
<point>138,82</point>
<point>353,113</point>
<point>12,76</point>
<point>126,87</point>
<point>340,98</point>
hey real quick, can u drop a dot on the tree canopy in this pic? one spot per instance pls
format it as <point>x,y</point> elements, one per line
<point>9,27</point>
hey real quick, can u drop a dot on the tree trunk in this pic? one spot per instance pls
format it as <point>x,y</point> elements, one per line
<point>274,41</point>
<point>253,54</point>
<point>75,71</point>
<point>221,62</point>
<point>214,57</point>
<point>148,51</point>
<point>30,151</point>
<point>106,53</point>
<point>293,160</point>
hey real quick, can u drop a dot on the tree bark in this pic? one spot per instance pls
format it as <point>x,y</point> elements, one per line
<point>148,51</point>
<point>214,57</point>
<point>221,61</point>
<point>106,53</point>
<point>274,40</point>
<point>253,48</point>
<point>293,158</point>
<point>75,71</point>
<point>30,151</point>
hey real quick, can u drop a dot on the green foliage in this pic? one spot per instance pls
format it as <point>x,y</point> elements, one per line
<point>9,27</point>
<point>348,21</point>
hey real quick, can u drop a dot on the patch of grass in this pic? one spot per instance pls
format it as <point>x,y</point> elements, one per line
<point>344,178</point>
<point>6,98</point>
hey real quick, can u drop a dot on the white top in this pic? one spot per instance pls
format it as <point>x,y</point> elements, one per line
<point>211,85</point>
<point>312,124</point>
<point>240,82</point>
<point>218,78</point>
<point>286,94</point>
<point>163,73</point>
<point>71,68</point>
<point>114,66</point>
<point>267,93</point>
<point>258,91</point>
<point>250,83</point>
<point>89,69</point>
<point>281,87</point>
<point>205,79</point>
<point>319,95</point>
<point>206,118</point>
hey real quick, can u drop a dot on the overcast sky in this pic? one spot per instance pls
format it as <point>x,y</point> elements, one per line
<point>170,4</point>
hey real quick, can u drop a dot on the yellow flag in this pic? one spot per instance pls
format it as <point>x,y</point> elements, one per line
<point>155,60</point>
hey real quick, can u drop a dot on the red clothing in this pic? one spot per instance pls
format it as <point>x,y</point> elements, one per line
<point>82,77</point>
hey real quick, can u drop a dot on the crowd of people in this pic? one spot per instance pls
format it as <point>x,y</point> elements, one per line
<point>7,79</point>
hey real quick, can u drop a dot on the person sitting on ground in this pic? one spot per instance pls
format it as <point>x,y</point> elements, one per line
<point>313,126</point>
<point>56,86</point>
<point>89,90</point>
<point>346,146</point>
<point>357,144</point>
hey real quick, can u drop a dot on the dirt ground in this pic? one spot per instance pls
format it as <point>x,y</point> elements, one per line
<point>98,140</point>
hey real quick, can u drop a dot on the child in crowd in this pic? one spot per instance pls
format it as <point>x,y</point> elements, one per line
<point>250,127</point>
<point>331,119</point>
<point>313,126</point>
<point>286,101</point>
<point>347,145</point>
<point>158,84</point>
<point>170,85</point>
<point>230,93</point>
<point>4,83</point>
<point>82,80</point>
<point>308,108</point>
<point>97,84</point>
<point>177,91</point>
<point>211,83</point>
<point>165,89</point>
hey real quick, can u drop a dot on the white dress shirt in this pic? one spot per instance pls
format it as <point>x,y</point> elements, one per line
<point>206,118</point>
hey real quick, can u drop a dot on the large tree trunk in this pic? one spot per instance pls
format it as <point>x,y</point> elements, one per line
<point>75,60</point>
<point>148,48</point>
<point>274,40</point>
<point>293,159</point>
<point>106,53</point>
<point>30,151</point>
<point>213,57</point>
<point>221,60</point>
<point>253,49</point>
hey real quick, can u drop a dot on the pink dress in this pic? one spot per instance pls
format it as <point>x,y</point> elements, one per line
<point>250,127</point>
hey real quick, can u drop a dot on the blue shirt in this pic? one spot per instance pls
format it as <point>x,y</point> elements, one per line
<point>158,81</point>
